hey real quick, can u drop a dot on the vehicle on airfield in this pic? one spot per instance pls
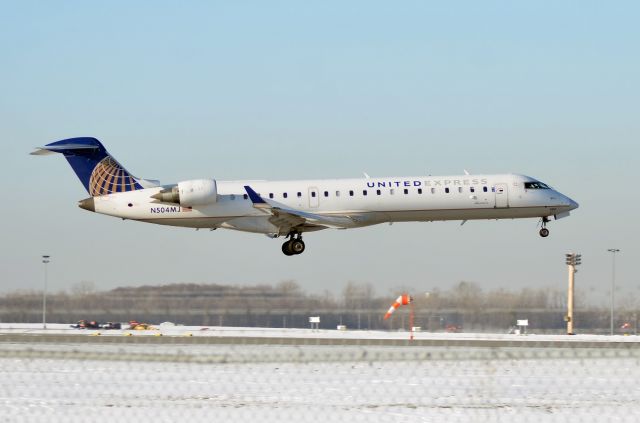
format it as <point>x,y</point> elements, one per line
<point>86,324</point>
<point>92,324</point>
<point>290,208</point>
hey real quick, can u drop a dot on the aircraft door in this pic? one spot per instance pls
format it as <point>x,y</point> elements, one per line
<point>314,197</point>
<point>502,195</point>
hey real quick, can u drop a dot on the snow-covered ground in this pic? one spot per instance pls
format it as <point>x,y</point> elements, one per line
<point>89,382</point>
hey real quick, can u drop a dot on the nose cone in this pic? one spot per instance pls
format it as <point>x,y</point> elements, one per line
<point>87,204</point>
<point>573,205</point>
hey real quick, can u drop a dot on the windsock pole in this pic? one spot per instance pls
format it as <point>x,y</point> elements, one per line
<point>404,299</point>
<point>411,322</point>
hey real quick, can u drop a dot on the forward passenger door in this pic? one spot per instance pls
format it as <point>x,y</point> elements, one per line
<point>502,195</point>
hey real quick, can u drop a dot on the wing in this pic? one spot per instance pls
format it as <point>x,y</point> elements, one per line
<point>287,217</point>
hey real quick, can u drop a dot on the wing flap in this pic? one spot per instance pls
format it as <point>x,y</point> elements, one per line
<point>283,219</point>
<point>317,219</point>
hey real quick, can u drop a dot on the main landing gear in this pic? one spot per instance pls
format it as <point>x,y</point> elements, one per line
<point>294,245</point>
<point>544,232</point>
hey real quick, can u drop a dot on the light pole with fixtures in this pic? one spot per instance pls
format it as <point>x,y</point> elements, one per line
<point>45,260</point>
<point>613,252</point>
<point>572,260</point>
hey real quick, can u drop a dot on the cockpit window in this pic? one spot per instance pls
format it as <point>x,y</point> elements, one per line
<point>535,185</point>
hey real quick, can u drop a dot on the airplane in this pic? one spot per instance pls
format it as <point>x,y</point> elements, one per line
<point>290,208</point>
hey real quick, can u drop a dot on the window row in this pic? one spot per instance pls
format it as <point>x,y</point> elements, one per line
<point>365,192</point>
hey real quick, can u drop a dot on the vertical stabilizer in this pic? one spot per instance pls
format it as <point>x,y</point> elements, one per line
<point>98,171</point>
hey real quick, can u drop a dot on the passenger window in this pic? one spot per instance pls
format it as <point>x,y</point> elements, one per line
<point>270,195</point>
<point>246,197</point>
<point>378,192</point>
<point>433,190</point>
<point>392,191</point>
<point>472,189</point>
<point>337,193</point>
<point>460,189</point>
<point>484,189</point>
<point>446,190</point>
<point>313,194</point>
<point>284,195</point>
<point>406,191</point>
<point>326,193</point>
<point>299,194</point>
<point>419,190</point>
<point>364,192</point>
<point>351,193</point>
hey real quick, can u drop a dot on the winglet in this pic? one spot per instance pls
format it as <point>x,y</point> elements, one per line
<point>255,198</point>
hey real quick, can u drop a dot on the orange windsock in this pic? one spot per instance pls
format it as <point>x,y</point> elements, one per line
<point>403,299</point>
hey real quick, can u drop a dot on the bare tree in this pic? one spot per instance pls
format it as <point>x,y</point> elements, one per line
<point>358,296</point>
<point>83,288</point>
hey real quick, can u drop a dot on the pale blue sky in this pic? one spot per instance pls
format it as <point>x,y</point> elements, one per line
<point>291,90</point>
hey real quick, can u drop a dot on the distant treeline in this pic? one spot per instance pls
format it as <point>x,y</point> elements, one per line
<point>465,307</point>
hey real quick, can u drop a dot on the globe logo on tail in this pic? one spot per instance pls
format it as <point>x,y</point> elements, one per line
<point>109,177</point>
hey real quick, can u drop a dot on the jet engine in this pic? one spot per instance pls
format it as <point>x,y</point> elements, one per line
<point>196,192</point>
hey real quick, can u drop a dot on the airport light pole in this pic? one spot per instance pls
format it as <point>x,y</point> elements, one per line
<point>45,260</point>
<point>613,252</point>
<point>572,260</point>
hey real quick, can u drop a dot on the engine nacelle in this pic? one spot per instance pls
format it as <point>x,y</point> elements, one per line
<point>196,192</point>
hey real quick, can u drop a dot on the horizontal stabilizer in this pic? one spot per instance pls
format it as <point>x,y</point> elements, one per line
<point>39,151</point>
<point>63,148</point>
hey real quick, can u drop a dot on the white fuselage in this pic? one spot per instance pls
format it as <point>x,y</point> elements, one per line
<point>366,201</point>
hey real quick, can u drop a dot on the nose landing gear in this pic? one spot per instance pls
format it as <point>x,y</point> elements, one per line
<point>294,245</point>
<point>544,232</point>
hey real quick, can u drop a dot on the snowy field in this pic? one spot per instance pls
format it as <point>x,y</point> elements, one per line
<point>88,382</point>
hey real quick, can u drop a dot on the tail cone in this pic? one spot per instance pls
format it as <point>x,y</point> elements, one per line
<point>87,204</point>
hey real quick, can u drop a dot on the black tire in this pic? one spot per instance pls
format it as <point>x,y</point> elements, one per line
<point>286,248</point>
<point>544,232</point>
<point>297,246</point>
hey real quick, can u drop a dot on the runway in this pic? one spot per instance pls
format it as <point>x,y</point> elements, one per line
<point>140,339</point>
<point>214,335</point>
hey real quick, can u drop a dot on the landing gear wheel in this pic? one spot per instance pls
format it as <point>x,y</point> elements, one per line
<point>544,232</point>
<point>286,249</point>
<point>296,246</point>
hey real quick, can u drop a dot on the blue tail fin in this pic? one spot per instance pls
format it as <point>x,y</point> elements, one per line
<point>98,171</point>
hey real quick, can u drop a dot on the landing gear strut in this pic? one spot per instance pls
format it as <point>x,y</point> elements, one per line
<point>544,232</point>
<point>294,245</point>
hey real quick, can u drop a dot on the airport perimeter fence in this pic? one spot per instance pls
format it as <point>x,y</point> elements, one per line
<point>153,381</point>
